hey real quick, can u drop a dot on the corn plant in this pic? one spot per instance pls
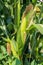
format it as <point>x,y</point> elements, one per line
<point>21,36</point>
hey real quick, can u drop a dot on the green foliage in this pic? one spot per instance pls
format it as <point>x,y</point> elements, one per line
<point>21,32</point>
<point>34,1</point>
<point>16,62</point>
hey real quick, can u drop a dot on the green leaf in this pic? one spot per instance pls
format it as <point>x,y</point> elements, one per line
<point>16,62</point>
<point>2,56</point>
<point>33,62</point>
<point>1,6</point>
<point>39,27</point>
<point>39,64</point>
<point>3,49</point>
<point>14,50</point>
<point>34,1</point>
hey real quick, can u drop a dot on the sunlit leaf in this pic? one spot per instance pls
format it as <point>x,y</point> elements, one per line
<point>39,27</point>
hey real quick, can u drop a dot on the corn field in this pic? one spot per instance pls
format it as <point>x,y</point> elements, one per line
<point>21,32</point>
